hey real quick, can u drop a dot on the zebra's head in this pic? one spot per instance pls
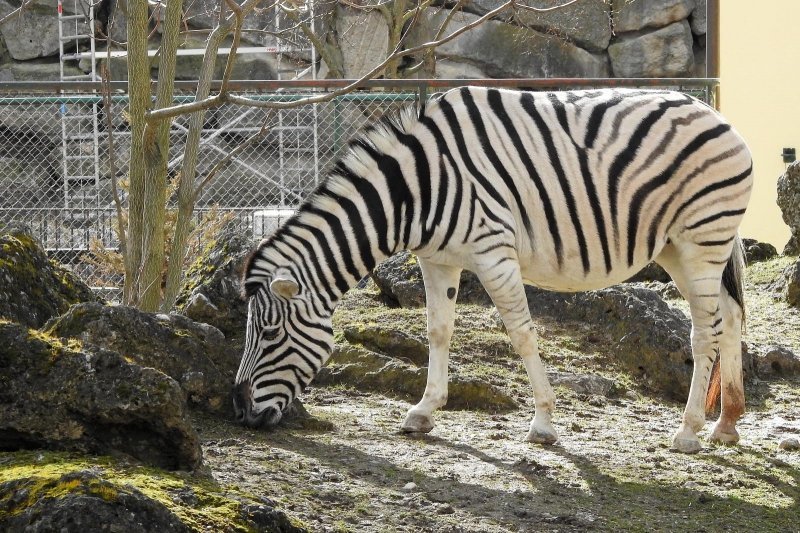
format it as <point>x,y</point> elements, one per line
<point>288,339</point>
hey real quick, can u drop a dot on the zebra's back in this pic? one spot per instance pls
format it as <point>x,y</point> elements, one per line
<point>583,188</point>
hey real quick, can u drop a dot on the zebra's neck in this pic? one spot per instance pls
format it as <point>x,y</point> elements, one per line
<point>351,222</point>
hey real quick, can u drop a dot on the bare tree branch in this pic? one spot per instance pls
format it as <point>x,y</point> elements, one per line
<point>16,12</point>
<point>220,98</point>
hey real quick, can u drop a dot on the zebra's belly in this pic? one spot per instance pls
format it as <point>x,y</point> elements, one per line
<point>570,276</point>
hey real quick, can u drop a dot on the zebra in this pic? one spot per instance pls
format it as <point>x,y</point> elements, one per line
<point>568,191</point>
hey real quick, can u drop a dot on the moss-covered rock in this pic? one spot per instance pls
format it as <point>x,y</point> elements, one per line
<point>649,338</point>
<point>211,291</point>
<point>60,395</point>
<point>195,355</point>
<point>33,288</point>
<point>362,369</point>
<point>61,492</point>
<point>389,341</point>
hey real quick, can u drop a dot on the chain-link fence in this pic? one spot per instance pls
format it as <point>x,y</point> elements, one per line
<point>60,154</point>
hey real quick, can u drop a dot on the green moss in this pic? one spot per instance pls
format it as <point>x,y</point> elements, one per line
<point>52,475</point>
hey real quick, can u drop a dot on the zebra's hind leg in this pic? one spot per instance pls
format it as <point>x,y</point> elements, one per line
<point>505,287</point>
<point>699,281</point>
<point>441,289</point>
<point>732,383</point>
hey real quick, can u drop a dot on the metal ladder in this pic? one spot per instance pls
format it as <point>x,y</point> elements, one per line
<point>291,129</point>
<point>80,145</point>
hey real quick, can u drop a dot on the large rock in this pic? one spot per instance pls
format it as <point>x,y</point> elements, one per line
<point>663,53</point>
<point>777,361</point>
<point>699,18</point>
<point>81,501</point>
<point>195,355</point>
<point>789,202</point>
<point>586,23</point>
<point>632,15</point>
<point>212,290</point>
<point>32,34</point>
<point>755,251</point>
<point>647,337</point>
<point>363,39</point>
<point>363,369</point>
<point>56,492</point>
<point>400,280</point>
<point>34,289</point>
<point>789,284</point>
<point>504,50</point>
<point>62,396</point>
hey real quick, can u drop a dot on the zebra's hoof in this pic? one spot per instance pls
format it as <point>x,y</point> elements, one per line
<point>417,423</point>
<point>724,437</point>
<point>686,445</point>
<point>542,436</point>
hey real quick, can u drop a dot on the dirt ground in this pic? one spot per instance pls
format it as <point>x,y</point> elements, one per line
<point>611,470</point>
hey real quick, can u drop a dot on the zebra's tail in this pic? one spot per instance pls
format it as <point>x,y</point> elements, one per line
<point>732,281</point>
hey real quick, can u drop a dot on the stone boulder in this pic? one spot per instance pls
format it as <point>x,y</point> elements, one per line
<point>586,23</point>
<point>363,39</point>
<point>390,341</point>
<point>699,18</point>
<point>755,251</point>
<point>66,397</point>
<point>503,50</point>
<point>647,337</point>
<point>400,280</point>
<point>34,289</point>
<point>632,15</point>
<point>789,284</point>
<point>194,354</point>
<point>81,501</point>
<point>32,35</point>
<point>365,370</point>
<point>776,361</point>
<point>211,291</point>
<point>789,202</point>
<point>54,492</point>
<point>664,53</point>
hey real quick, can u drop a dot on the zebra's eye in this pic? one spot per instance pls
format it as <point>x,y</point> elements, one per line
<point>269,334</point>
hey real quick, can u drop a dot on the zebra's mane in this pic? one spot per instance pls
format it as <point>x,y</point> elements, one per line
<point>380,134</point>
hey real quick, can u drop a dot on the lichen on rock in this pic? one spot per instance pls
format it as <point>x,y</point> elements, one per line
<point>370,371</point>
<point>211,291</point>
<point>52,491</point>
<point>34,289</point>
<point>194,354</point>
<point>62,396</point>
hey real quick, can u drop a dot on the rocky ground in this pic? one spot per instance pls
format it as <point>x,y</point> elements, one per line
<point>84,384</point>
<point>611,470</point>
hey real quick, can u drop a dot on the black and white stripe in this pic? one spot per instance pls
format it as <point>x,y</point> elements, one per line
<point>564,190</point>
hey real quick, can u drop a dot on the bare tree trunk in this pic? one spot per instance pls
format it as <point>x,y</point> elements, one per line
<point>139,92</point>
<point>187,191</point>
<point>156,155</point>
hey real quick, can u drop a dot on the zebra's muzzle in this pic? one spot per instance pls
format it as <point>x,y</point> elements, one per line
<point>243,409</point>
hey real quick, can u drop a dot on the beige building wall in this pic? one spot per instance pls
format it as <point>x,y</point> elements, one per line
<point>760,96</point>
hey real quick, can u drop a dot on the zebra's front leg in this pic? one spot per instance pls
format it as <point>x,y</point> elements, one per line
<point>441,289</point>
<point>505,287</point>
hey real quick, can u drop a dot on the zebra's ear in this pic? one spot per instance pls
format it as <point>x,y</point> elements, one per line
<point>285,287</point>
